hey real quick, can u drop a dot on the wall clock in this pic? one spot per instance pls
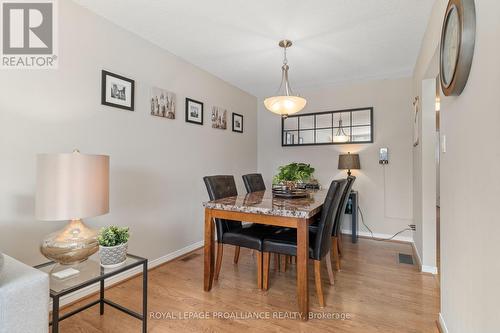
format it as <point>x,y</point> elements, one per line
<point>457,46</point>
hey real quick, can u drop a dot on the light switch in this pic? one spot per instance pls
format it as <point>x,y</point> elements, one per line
<point>443,143</point>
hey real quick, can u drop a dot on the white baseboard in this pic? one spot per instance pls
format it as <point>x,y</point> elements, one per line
<point>377,235</point>
<point>429,269</point>
<point>122,276</point>
<point>417,256</point>
<point>423,268</point>
<point>442,324</point>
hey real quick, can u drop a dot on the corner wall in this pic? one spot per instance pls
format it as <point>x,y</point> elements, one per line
<point>470,186</point>
<point>157,164</point>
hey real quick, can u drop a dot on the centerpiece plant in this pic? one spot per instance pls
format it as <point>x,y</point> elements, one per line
<point>291,174</point>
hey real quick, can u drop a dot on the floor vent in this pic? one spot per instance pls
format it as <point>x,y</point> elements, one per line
<point>405,259</point>
<point>190,257</point>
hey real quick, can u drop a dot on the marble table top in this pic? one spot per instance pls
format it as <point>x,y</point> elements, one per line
<point>264,203</point>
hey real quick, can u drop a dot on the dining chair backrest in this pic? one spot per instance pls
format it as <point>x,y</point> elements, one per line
<point>322,242</point>
<point>343,204</point>
<point>219,187</point>
<point>254,182</point>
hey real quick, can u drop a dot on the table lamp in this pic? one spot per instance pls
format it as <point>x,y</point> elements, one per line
<point>71,187</point>
<point>349,161</point>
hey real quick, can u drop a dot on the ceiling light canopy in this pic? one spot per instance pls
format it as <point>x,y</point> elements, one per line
<point>285,102</point>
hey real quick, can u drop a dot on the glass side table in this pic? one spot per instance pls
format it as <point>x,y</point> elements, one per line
<point>91,272</point>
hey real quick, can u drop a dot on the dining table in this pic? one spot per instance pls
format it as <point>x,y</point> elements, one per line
<point>264,208</point>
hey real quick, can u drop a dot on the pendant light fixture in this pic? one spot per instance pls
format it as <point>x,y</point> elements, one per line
<point>341,136</point>
<point>285,102</point>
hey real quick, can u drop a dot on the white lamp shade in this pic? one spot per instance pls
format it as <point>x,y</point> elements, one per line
<point>285,105</point>
<point>71,186</point>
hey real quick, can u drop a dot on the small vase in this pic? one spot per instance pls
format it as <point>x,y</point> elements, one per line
<point>113,256</point>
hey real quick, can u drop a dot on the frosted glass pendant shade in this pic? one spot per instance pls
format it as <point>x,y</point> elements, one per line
<point>285,102</point>
<point>285,105</point>
<point>340,138</point>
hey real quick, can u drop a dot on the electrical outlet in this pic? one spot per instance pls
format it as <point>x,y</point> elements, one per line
<point>412,227</point>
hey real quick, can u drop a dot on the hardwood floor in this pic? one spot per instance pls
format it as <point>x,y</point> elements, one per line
<point>373,289</point>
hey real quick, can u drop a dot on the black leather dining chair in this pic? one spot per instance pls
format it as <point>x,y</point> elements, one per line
<point>233,232</point>
<point>337,224</point>
<point>254,182</point>
<point>336,231</point>
<point>319,240</point>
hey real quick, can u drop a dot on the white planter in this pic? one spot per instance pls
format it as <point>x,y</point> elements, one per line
<point>113,256</point>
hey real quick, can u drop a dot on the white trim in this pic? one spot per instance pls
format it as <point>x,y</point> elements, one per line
<point>429,269</point>
<point>377,235</point>
<point>423,268</point>
<point>122,276</point>
<point>442,324</point>
<point>417,256</point>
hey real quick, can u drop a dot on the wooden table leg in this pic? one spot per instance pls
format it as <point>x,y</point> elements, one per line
<point>209,251</point>
<point>302,273</point>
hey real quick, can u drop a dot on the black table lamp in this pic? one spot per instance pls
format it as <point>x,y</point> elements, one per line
<point>349,161</point>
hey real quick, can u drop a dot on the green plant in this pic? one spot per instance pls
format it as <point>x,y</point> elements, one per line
<point>113,235</point>
<point>293,172</point>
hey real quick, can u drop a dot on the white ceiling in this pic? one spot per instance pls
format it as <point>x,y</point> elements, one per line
<point>236,40</point>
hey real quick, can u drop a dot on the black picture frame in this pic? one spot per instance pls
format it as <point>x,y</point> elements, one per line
<point>104,101</point>
<point>188,101</point>
<point>233,119</point>
<point>285,133</point>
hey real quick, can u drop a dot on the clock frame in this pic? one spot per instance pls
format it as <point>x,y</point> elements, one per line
<point>466,11</point>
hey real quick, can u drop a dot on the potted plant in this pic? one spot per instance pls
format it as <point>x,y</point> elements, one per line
<point>291,174</point>
<point>113,245</point>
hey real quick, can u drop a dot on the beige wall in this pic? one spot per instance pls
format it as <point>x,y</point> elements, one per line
<point>157,164</point>
<point>385,200</point>
<point>470,186</point>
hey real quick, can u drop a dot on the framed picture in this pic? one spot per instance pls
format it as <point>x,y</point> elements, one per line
<point>194,111</point>
<point>237,123</point>
<point>162,103</point>
<point>117,91</point>
<point>219,117</point>
<point>416,123</point>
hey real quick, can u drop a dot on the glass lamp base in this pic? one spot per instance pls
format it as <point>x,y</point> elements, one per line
<point>72,244</point>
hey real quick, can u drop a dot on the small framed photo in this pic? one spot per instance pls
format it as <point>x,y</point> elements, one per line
<point>117,91</point>
<point>237,123</point>
<point>219,117</point>
<point>162,103</point>
<point>194,111</point>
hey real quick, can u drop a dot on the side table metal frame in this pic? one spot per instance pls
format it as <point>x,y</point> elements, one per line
<point>56,318</point>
